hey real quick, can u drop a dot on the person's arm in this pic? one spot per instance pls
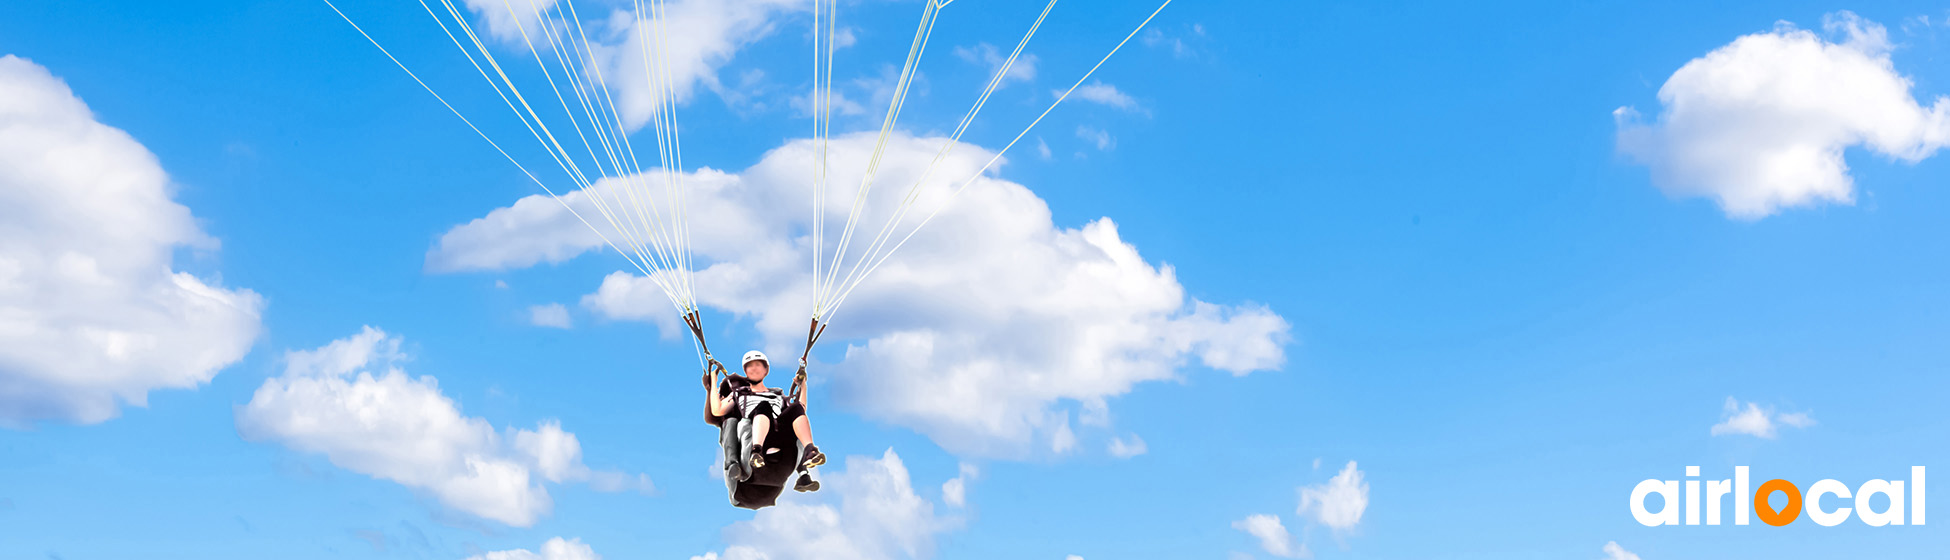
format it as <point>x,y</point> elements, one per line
<point>715,406</point>
<point>799,384</point>
<point>710,396</point>
<point>721,407</point>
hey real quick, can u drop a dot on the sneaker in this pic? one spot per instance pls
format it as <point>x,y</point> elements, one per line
<point>806,484</point>
<point>736,471</point>
<point>813,457</point>
<point>758,458</point>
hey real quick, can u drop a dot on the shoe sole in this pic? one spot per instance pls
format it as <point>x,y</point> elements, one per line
<point>814,487</point>
<point>814,461</point>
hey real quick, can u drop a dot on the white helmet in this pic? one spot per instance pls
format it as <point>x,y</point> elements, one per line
<point>755,356</point>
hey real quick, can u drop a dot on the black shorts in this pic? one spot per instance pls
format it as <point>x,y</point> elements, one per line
<point>793,411</point>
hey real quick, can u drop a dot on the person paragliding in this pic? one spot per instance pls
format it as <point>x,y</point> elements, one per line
<point>764,431</point>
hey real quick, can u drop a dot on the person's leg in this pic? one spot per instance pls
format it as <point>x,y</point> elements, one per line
<point>761,427</point>
<point>803,428</point>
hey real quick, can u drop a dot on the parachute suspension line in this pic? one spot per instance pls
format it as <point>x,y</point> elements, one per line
<point>642,262</point>
<point>676,153</point>
<point>592,107</point>
<point>637,218</point>
<point>998,156</point>
<point>633,229</point>
<point>470,123</point>
<point>914,52</point>
<point>557,152</point>
<point>913,192</point>
<point>612,134</point>
<point>532,120</point>
<point>825,25</point>
<point>613,128</point>
<point>652,218</point>
<point>824,21</point>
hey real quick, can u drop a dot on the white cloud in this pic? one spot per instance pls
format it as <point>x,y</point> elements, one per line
<point>877,517</point>
<point>1125,449</point>
<point>555,549</point>
<point>1755,420</point>
<point>1175,43</point>
<point>1042,149</point>
<point>553,315</point>
<point>1010,319</point>
<point>1339,502</point>
<point>1273,536</point>
<point>92,316</point>
<point>1104,94</point>
<point>1098,137</point>
<point>954,492</point>
<point>986,55</point>
<point>698,38</point>
<point>507,18</point>
<point>1615,552</point>
<point>351,402</point>
<point>1761,124</point>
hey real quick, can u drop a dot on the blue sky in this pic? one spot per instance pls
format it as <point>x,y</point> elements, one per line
<point>1468,287</point>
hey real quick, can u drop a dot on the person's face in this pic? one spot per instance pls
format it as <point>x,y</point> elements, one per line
<point>756,370</point>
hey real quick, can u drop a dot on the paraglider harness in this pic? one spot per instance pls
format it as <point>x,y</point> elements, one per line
<point>760,487</point>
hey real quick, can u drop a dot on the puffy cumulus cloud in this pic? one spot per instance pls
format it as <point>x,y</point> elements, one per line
<point>555,549</point>
<point>1756,420</point>
<point>351,402</point>
<point>92,316</point>
<point>1615,552</point>
<point>984,332</point>
<point>878,517</point>
<point>1761,124</point>
<point>1273,536</point>
<point>1337,503</point>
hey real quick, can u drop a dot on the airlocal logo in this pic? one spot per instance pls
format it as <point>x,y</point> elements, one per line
<point>1718,490</point>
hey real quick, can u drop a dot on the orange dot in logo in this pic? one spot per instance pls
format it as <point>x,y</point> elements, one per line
<point>1783,516</point>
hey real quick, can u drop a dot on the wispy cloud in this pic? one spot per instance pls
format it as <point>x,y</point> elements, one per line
<point>1097,137</point>
<point>987,56</point>
<point>1273,536</point>
<point>1615,552</point>
<point>553,315</point>
<point>1106,94</point>
<point>1124,449</point>
<point>1756,420</point>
